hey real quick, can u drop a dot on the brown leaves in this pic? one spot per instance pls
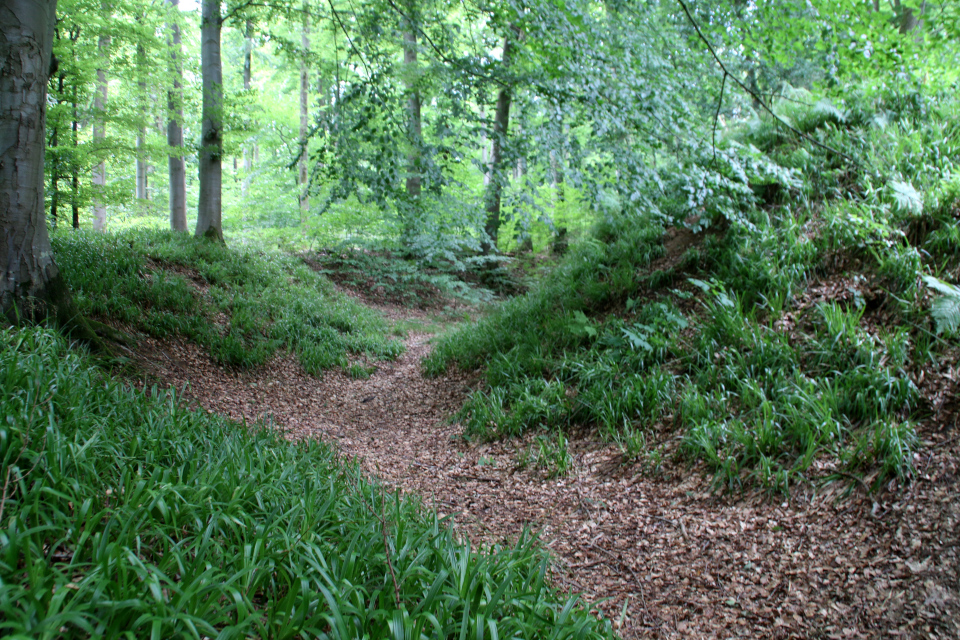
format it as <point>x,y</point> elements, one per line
<point>668,558</point>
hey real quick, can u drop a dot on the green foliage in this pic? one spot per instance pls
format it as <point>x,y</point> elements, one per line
<point>946,307</point>
<point>240,304</point>
<point>756,403</point>
<point>379,273</point>
<point>126,513</point>
<point>553,454</point>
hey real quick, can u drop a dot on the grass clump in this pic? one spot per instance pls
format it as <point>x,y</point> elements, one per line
<point>603,343</point>
<point>126,513</point>
<point>239,303</point>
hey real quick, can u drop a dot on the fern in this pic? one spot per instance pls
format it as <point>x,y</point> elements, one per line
<point>946,308</point>
<point>906,198</point>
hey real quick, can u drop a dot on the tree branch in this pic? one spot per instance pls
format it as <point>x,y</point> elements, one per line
<point>756,97</point>
<point>441,54</point>
<point>716,117</point>
<point>346,35</point>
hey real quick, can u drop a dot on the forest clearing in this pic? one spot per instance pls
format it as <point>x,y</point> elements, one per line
<point>533,319</point>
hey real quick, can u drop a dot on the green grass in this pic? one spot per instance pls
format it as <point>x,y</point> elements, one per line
<point>125,514</point>
<point>606,342</point>
<point>242,304</point>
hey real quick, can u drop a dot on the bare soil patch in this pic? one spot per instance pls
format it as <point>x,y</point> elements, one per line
<point>663,555</point>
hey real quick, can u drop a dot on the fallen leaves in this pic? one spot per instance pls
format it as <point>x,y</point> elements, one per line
<point>661,555</point>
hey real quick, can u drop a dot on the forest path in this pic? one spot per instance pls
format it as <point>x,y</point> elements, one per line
<point>670,558</point>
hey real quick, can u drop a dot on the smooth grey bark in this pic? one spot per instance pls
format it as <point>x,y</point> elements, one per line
<point>501,125</point>
<point>303,175</point>
<point>209,209</point>
<point>411,72</point>
<point>142,166</point>
<point>31,287</point>
<point>56,173</point>
<point>99,173</point>
<point>909,21</point>
<point>414,120</point>
<point>176,166</point>
<point>248,154</point>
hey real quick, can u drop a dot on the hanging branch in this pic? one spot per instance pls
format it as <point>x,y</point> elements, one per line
<point>716,117</point>
<point>757,97</point>
<point>346,34</point>
<point>440,54</point>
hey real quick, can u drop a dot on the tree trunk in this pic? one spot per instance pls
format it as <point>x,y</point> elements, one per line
<point>31,287</point>
<point>99,133</point>
<point>501,125</point>
<point>142,167</point>
<point>247,77</point>
<point>74,169</point>
<point>411,73</point>
<point>303,176</point>
<point>209,223</point>
<point>175,163</point>
<point>556,172</point>
<point>518,171</point>
<point>908,20</point>
<point>141,191</point>
<point>55,175</point>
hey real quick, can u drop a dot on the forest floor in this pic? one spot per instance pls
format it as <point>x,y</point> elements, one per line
<point>656,550</point>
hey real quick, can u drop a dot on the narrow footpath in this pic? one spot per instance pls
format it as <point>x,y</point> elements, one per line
<point>663,555</point>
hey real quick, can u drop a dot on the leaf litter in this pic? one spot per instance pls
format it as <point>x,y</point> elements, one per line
<point>657,552</point>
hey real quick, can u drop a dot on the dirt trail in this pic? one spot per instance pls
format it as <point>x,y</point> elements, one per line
<point>672,559</point>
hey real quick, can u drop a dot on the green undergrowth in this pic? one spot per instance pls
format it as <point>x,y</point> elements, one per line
<point>241,304</point>
<point>125,514</point>
<point>728,346</point>
<point>383,274</point>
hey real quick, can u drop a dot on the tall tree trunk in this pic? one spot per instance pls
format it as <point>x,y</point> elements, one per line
<point>211,129</point>
<point>501,125</point>
<point>518,170</point>
<point>908,20</point>
<point>485,146</point>
<point>99,134</point>
<point>556,171</point>
<point>248,153</point>
<point>31,287</point>
<point>54,180</point>
<point>175,164</point>
<point>411,72</point>
<point>55,175</point>
<point>74,169</point>
<point>303,175</point>
<point>142,167</point>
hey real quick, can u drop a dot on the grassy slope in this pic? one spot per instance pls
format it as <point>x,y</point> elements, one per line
<point>727,346</point>
<point>123,512</point>
<point>241,304</point>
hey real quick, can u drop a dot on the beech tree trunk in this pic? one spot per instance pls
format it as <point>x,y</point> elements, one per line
<point>209,223</point>
<point>74,171</point>
<point>99,174</point>
<point>176,165</point>
<point>414,123</point>
<point>55,175</point>
<point>501,125</point>
<point>303,174</point>
<point>248,154</point>
<point>31,287</point>
<point>908,20</point>
<point>143,168</point>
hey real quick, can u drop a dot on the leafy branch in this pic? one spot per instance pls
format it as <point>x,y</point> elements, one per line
<point>755,96</point>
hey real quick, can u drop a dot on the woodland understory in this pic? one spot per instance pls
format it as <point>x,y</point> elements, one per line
<point>527,319</point>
